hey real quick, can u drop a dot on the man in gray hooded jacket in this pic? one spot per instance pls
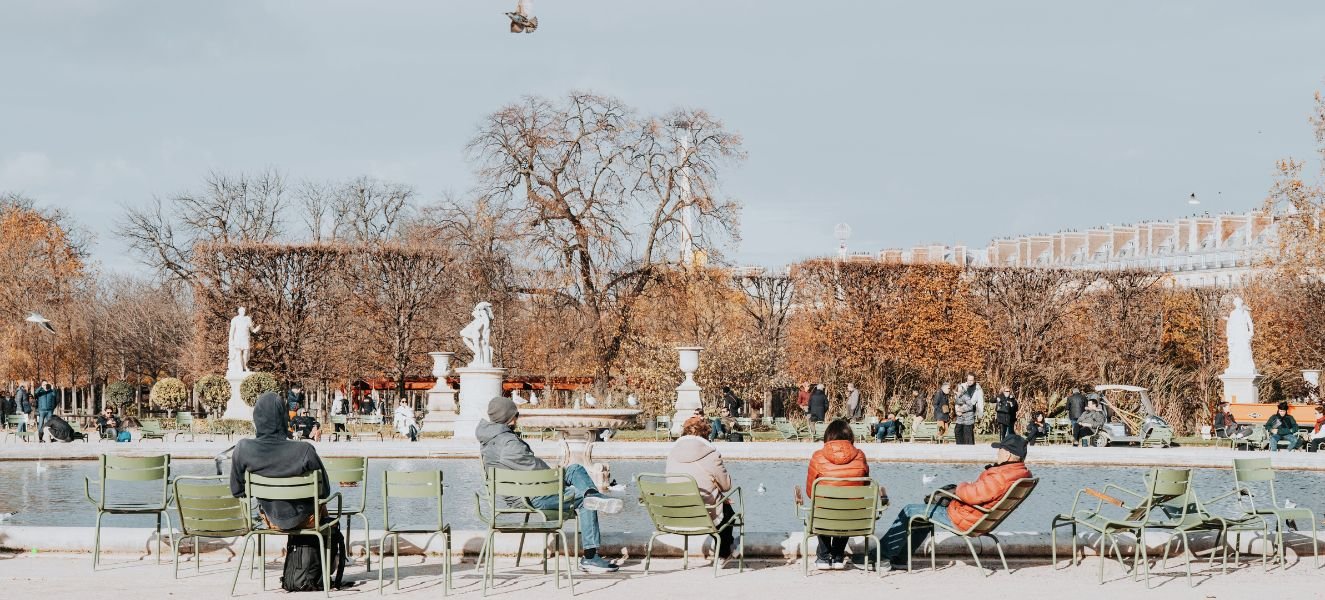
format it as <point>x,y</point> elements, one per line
<point>500,447</point>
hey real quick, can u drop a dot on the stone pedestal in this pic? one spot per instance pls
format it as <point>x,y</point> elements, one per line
<point>478,385</point>
<point>442,397</point>
<point>235,409</point>
<point>687,394</point>
<point>1240,388</point>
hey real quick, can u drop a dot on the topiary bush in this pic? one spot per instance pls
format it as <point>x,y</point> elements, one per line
<point>257,384</point>
<point>118,394</point>
<point>213,392</point>
<point>170,394</point>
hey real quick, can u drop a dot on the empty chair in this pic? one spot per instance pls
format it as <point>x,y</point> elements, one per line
<point>406,486</point>
<point>127,470</point>
<point>352,472</point>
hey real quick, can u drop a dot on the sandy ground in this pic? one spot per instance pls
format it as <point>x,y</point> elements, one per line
<point>67,576</point>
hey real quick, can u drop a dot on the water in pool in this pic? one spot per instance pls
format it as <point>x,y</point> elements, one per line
<point>50,493</point>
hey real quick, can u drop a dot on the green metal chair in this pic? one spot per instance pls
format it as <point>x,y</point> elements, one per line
<point>788,431</point>
<point>1249,473</point>
<point>745,427</point>
<point>989,521</point>
<point>401,485</point>
<point>835,509</point>
<point>676,507</point>
<point>1258,439</point>
<point>925,431</point>
<point>662,427</point>
<point>150,429</point>
<point>301,487</point>
<point>505,483</point>
<point>13,422</point>
<point>1162,485</point>
<point>1189,515</point>
<point>207,509</point>
<point>184,425</point>
<point>862,431</point>
<point>369,425</point>
<point>331,431</point>
<point>354,471</point>
<point>818,429</point>
<point>217,426</point>
<point>127,470</point>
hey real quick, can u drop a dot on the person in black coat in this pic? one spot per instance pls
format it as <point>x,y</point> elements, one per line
<point>1076,404</point>
<point>942,407</point>
<point>818,404</point>
<point>731,401</point>
<point>1005,412</point>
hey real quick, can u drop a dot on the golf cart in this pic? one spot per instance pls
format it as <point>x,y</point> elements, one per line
<point>1130,418</point>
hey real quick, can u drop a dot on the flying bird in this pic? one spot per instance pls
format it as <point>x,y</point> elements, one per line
<point>521,21</point>
<point>41,321</point>
<point>7,516</point>
<point>1192,200</point>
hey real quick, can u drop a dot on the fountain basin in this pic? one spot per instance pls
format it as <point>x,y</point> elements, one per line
<point>579,427</point>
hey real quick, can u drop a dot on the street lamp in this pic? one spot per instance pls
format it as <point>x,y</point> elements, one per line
<point>842,232</point>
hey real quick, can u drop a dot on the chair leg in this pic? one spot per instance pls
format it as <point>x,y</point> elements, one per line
<point>326,565</point>
<point>174,550</point>
<point>158,538</point>
<point>446,568</point>
<point>1102,556</point>
<point>381,560</point>
<point>367,554</point>
<point>1145,562</point>
<point>974,554</point>
<point>685,552</point>
<point>570,562</point>
<point>1053,543</point>
<point>243,549</point>
<point>648,552</point>
<point>998,545</point>
<point>395,560</point>
<point>96,543</point>
<point>716,551</point>
<point>740,558</point>
<point>197,553</point>
<point>1186,548</point>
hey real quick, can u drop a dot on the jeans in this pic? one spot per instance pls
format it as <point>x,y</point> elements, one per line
<point>1004,430</point>
<point>831,548</point>
<point>42,415</point>
<point>965,434</point>
<point>1292,439</point>
<point>717,431</point>
<point>894,542</point>
<point>23,425</point>
<point>885,430</point>
<point>580,485</point>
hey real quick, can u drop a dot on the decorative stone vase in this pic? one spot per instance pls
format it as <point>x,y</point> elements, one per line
<point>689,363</point>
<point>688,393</point>
<point>1312,376</point>
<point>441,367</point>
<point>441,398</point>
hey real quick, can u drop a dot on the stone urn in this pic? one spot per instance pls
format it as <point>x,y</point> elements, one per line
<point>441,398</point>
<point>688,393</point>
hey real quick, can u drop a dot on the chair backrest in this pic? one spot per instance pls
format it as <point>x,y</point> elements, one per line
<point>15,420</point>
<point>299,487</point>
<point>819,429</point>
<point>524,484</point>
<point>351,469</point>
<point>1162,486</point>
<point>674,503</point>
<point>371,419</point>
<point>860,430</point>
<point>1020,490</point>
<point>1205,432</point>
<point>150,425</point>
<point>745,422</point>
<point>135,469</point>
<point>662,420</point>
<point>925,429</point>
<point>207,508</point>
<point>411,485</point>
<point>843,506</point>
<point>338,419</point>
<point>1247,471</point>
<point>184,420</point>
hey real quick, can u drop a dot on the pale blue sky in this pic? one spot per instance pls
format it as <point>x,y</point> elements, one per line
<point>914,122</point>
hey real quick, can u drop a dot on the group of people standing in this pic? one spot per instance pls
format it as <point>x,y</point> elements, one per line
<point>38,405</point>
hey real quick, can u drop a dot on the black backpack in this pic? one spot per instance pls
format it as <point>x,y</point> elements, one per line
<point>303,563</point>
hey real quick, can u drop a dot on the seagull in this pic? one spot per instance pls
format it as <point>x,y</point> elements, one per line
<point>533,398</point>
<point>928,479</point>
<point>590,400</point>
<point>761,489</point>
<point>7,516</point>
<point>1192,200</point>
<point>41,321</point>
<point>606,435</point>
<point>632,400</point>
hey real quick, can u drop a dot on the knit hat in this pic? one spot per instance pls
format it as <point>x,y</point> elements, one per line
<point>501,410</point>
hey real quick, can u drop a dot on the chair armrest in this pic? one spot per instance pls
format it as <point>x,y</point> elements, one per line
<point>87,491</point>
<point>340,501</point>
<point>1105,497</point>
<point>1117,488</point>
<point>740,500</point>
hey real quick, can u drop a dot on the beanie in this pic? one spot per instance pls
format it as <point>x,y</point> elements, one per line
<point>501,410</point>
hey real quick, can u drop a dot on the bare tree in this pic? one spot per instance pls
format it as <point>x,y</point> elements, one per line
<point>598,195</point>
<point>229,209</point>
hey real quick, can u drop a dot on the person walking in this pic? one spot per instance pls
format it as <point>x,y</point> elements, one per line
<point>803,398</point>
<point>839,458</point>
<point>1282,428</point>
<point>818,404</point>
<point>46,401</point>
<point>1005,412</point>
<point>941,406</point>
<point>693,455</point>
<point>24,402</point>
<point>919,409</point>
<point>965,419</point>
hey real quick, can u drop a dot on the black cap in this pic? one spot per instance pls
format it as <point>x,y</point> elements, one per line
<point>1012,443</point>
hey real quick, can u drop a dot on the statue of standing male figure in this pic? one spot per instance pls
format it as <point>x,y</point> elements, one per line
<point>241,328</point>
<point>477,335</point>
<point>1239,331</point>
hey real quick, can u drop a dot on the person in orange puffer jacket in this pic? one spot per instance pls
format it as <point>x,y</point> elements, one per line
<point>985,492</point>
<point>839,457</point>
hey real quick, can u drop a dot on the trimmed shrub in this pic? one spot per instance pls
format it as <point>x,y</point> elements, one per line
<point>213,392</point>
<point>170,394</point>
<point>119,393</point>
<point>257,384</point>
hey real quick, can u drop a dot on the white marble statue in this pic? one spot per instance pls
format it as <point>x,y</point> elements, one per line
<point>1239,331</point>
<point>477,335</point>
<point>241,328</point>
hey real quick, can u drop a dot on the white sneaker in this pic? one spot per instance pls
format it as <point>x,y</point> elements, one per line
<point>839,565</point>
<point>602,504</point>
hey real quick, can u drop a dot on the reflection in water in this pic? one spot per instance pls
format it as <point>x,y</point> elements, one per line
<point>54,495</point>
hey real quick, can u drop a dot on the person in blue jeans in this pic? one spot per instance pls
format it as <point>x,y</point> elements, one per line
<point>46,402</point>
<point>500,447</point>
<point>1282,427</point>
<point>24,403</point>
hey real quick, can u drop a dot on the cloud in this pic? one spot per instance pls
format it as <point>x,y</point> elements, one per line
<point>26,170</point>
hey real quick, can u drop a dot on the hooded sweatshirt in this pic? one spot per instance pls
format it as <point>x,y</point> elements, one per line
<point>272,454</point>
<point>838,458</point>
<point>696,457</point>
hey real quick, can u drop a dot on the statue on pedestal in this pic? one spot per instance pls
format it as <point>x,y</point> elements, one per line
<point>1239,331</point>
<point>241,328</point>
<point>477,335</point>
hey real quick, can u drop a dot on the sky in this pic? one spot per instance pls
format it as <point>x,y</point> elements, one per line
<point>914,122</point>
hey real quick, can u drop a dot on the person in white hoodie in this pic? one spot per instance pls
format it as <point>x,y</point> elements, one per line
<point>693,455</point>
<point>404,421</point>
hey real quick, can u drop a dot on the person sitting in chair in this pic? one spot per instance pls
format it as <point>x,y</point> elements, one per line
<point>306,427</point>
<point>1090,422</point>
<point>501,448</point>
<point>987,489</point>
<point>1282,427</point>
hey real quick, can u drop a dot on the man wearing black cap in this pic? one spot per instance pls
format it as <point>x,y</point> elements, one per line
<point>984,492</point>
<point>501,448</point>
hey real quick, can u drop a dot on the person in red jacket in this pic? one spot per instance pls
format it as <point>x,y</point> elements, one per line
<point>961,514</point>
<point>839,457</point>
